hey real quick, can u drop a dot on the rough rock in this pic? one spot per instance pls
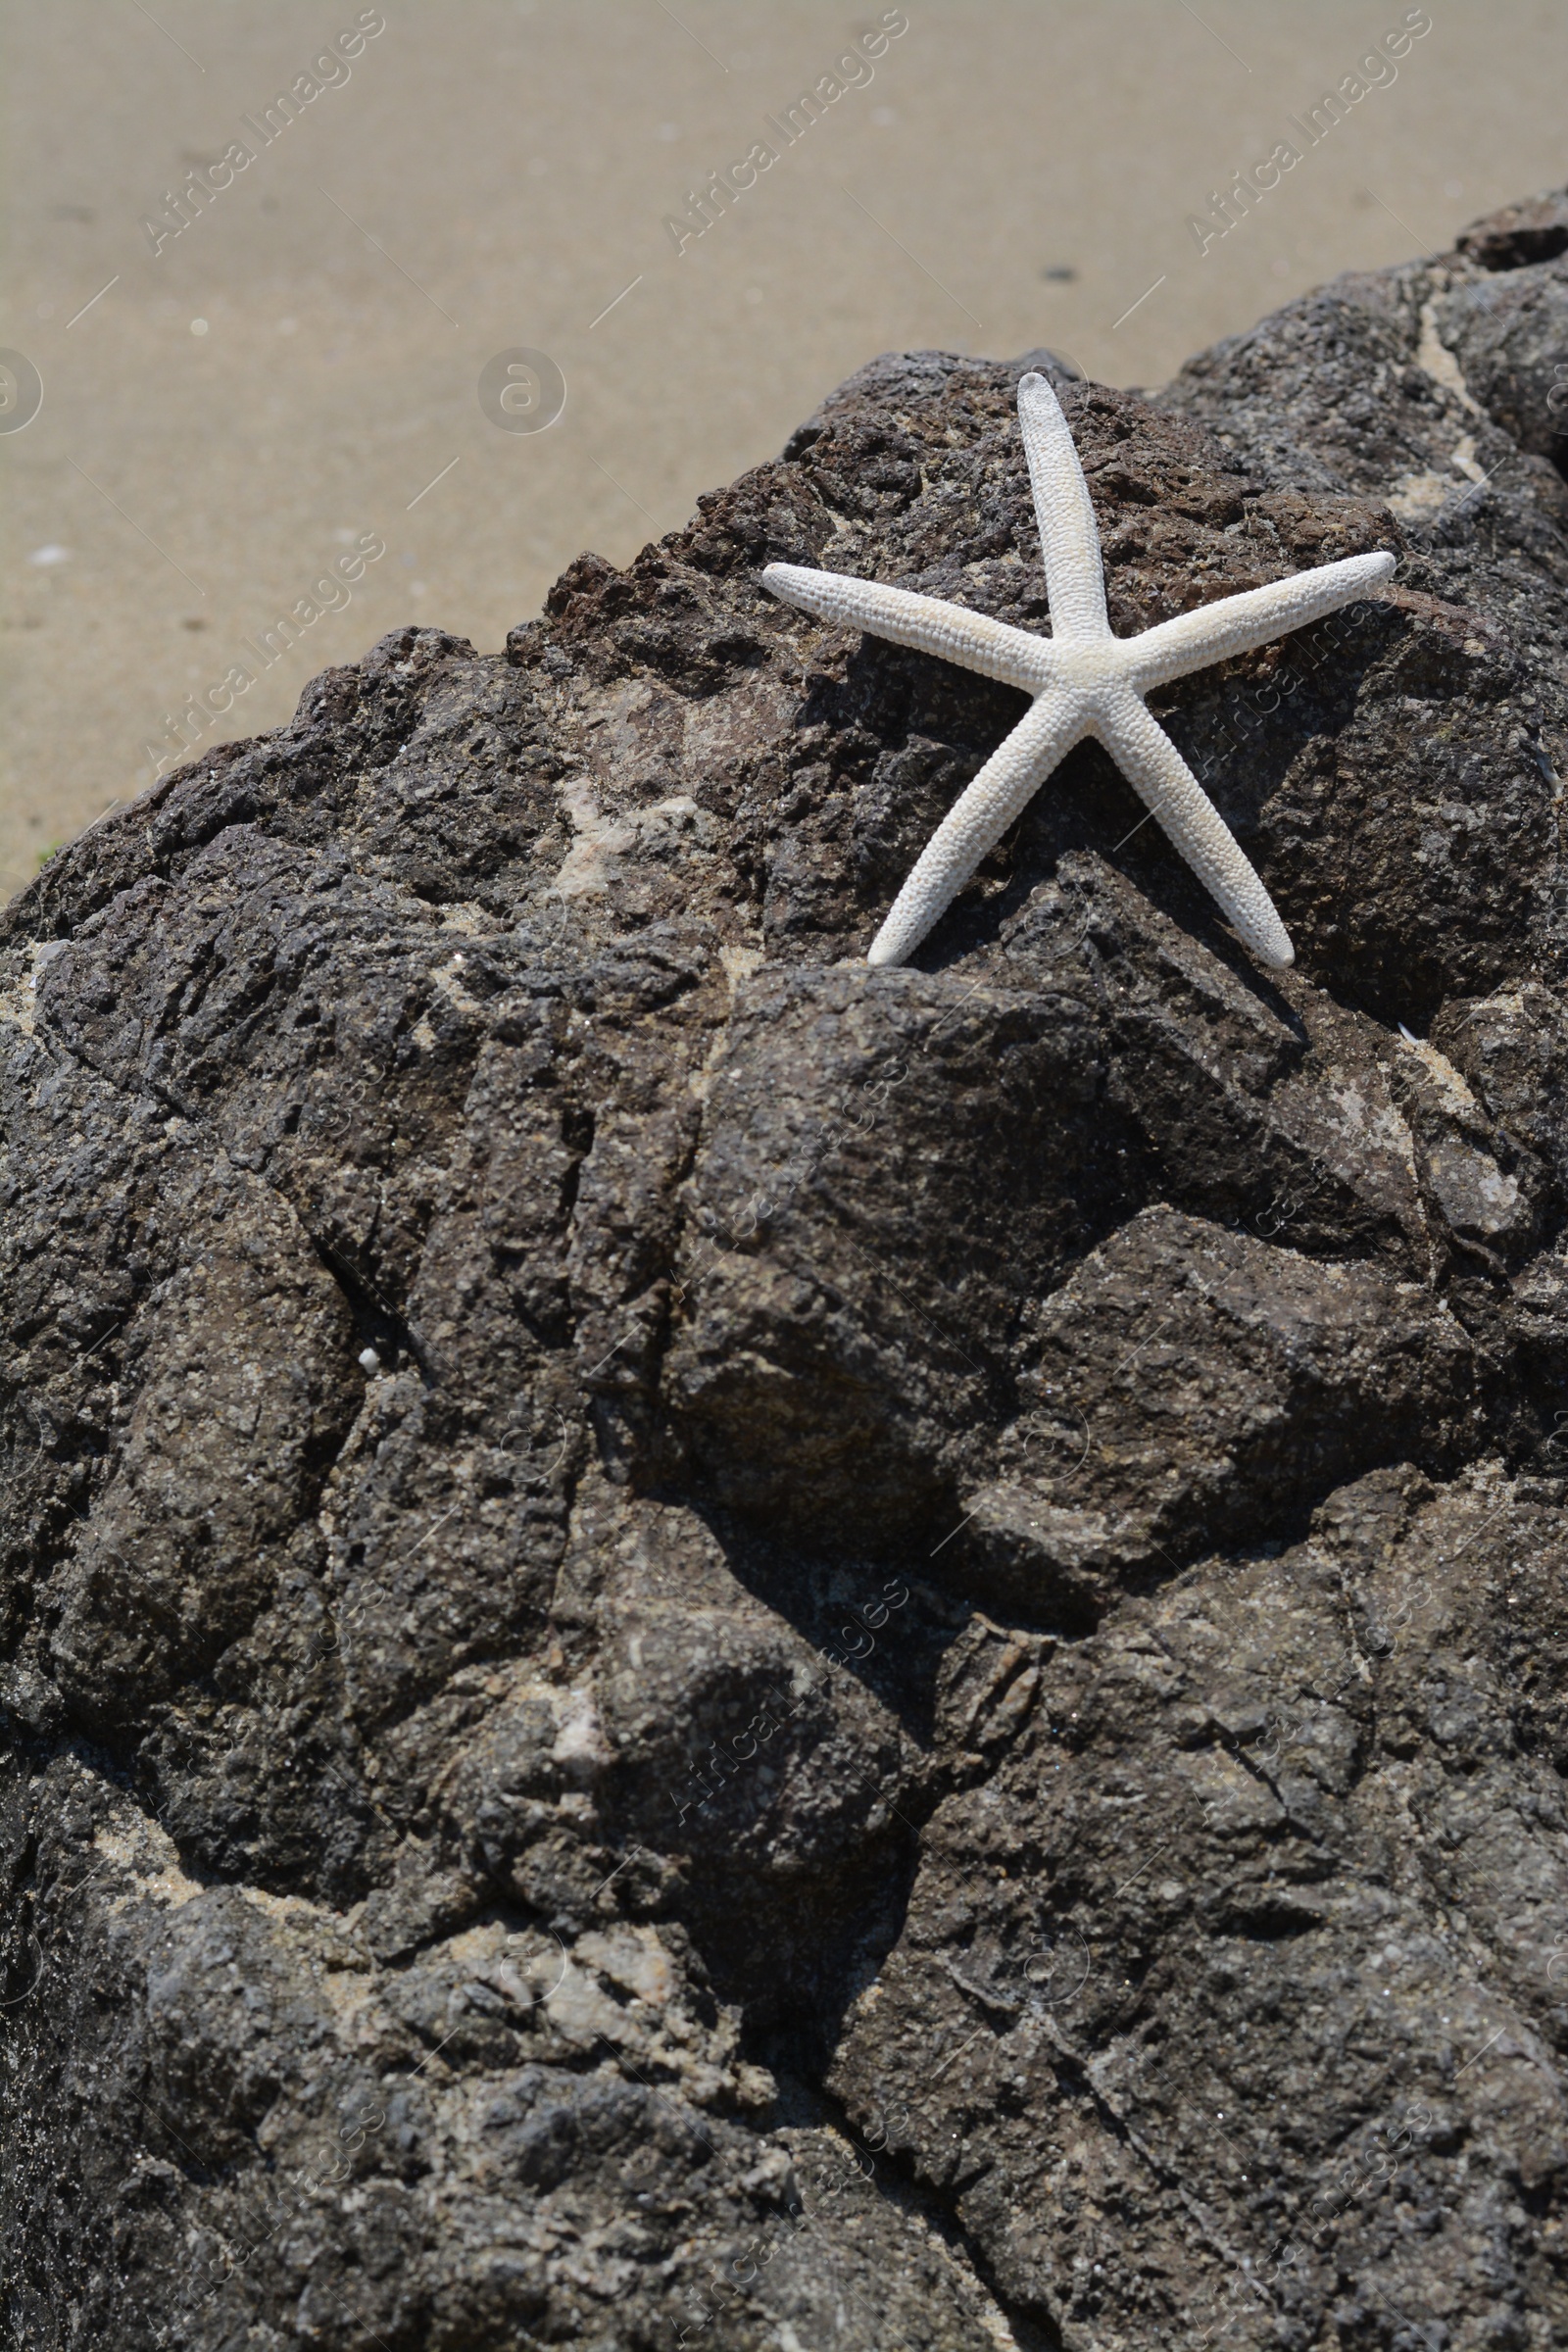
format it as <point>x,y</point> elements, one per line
<point>700,1646</point>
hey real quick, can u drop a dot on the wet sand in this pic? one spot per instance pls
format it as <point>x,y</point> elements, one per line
<point>294,375</point>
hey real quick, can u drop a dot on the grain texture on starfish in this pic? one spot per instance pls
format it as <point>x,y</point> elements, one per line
<point>1084,682</point>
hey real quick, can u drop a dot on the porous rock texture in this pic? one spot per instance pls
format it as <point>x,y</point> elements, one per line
<point>706,1647</point>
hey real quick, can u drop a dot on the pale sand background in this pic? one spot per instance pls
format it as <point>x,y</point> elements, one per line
<point>516,159</point>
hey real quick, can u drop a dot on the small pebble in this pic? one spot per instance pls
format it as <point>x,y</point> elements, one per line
<point>370,1360</point>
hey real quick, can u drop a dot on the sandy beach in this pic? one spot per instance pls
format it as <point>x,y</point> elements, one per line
<point>245,384</point>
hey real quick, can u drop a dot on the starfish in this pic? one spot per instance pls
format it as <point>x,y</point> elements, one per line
<point>1084,681</point>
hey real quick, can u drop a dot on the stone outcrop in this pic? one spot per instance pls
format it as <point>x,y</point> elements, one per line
<point>702,1647</point>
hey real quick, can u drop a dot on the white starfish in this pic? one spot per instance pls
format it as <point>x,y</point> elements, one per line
<point>1084,682</point>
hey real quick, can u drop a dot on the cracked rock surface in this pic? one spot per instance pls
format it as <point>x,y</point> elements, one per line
<point>699,1647</point>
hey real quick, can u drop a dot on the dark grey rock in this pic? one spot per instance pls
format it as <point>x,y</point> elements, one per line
<point>699,1647</point>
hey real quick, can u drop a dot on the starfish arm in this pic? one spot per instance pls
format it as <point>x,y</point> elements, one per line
<point>1162,779</point>
<point>971,639</point>
<point>1069,536</point>
<point>1238,623</point>
<point>977,820</point>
